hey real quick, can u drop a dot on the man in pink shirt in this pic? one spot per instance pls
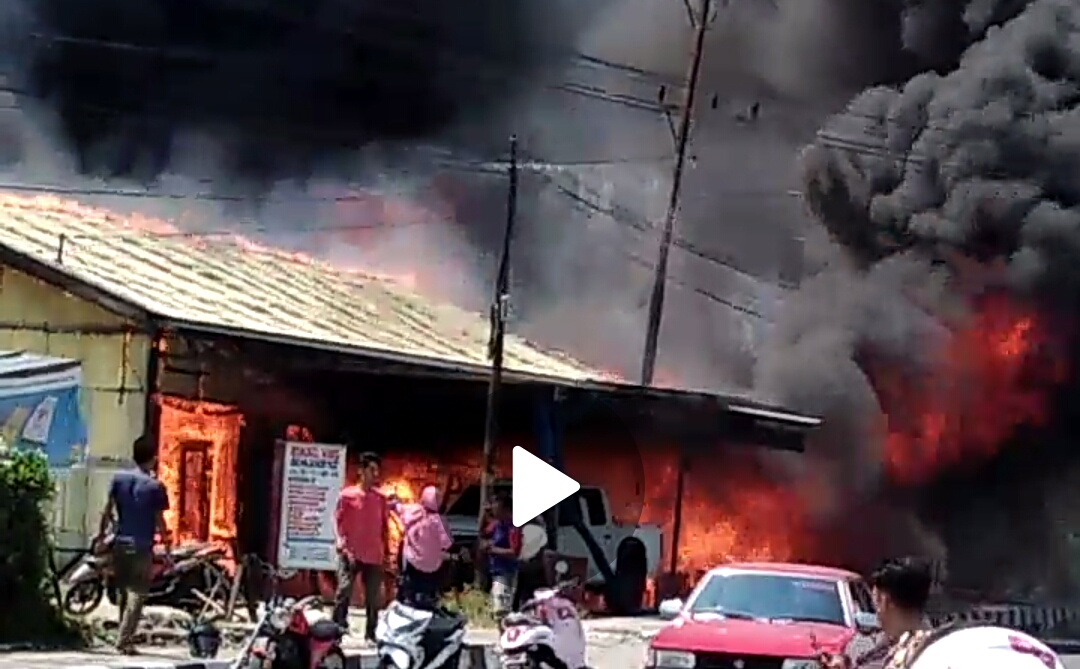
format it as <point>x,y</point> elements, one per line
<point>360,524</point>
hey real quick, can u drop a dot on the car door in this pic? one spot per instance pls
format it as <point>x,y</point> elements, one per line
<point>860,596</point>
<point>861,599</point>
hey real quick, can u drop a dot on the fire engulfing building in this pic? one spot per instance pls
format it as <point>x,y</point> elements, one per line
<point>219,348</point>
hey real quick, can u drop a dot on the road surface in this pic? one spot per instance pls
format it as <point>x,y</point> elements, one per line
<point>614,643</point>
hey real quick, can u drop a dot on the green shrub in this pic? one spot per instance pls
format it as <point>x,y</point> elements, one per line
<point>474,604</point>
<point>29,613</point>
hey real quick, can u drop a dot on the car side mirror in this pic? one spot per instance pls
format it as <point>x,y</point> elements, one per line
<point>867,623</point>
<point>670,609</point>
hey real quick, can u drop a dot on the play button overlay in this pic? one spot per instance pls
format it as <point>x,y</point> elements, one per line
<point>537,486</point>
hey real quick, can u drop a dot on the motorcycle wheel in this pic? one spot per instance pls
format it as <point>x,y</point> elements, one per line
<point>84,597</point>
<point>334,659</point>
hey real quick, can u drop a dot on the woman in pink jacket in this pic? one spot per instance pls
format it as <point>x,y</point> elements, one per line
<point>423,549</point>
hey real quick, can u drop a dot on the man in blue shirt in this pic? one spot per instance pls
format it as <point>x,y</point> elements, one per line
<point>139,500</point>
<point>502,545</point>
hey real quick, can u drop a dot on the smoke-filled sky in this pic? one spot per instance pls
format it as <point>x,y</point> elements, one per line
<point>277,98</point>
<point>938,130</point>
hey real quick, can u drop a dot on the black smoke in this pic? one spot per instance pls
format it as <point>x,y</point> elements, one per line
<point>281,86</point>
<point>979,163</point>
<point>936,188</point>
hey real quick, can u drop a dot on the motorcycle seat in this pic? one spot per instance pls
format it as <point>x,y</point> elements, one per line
<point>444,626</point>
<point>326,630</point>
<point>515,619</point>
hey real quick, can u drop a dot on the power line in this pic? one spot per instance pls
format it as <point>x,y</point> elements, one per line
<point>393,13</point>
<point>638,259</point>
<point>477,67</point>
<point>628,218</point>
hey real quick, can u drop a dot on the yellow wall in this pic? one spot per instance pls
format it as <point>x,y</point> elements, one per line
<point>114,380</point>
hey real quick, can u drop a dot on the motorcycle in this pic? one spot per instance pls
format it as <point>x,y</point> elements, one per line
<point>292,635</point>
<point>545,633</point>
<point>177,574</point>
<point>417,638</point>
<point>84,583</point>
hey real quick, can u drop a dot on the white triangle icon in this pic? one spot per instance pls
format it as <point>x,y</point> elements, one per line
<point>537,486</point>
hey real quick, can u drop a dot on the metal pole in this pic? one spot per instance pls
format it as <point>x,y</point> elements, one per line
<point>676,524</point>
<point>682,140</point>
<point>498,335</point>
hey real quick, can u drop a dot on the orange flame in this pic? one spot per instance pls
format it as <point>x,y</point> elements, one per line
<point>994,377</point>
<point>197,463</point>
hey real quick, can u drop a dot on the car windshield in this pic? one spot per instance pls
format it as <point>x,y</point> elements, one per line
<point>772,597</point>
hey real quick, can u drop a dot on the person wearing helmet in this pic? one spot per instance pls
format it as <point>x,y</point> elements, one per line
<point>977,646</point>
<point>900,589</point>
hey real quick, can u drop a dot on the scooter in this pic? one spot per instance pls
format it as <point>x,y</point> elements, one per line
<point>415,638</point>
<point>292,635</point>
<point>545,633</point>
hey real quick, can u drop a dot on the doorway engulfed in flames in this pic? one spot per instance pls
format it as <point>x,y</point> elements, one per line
<point>197,462</point>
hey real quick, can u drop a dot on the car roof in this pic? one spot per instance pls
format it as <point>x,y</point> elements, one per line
<point>787,568</point>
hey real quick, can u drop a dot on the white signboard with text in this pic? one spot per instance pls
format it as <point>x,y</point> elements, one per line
<point>311,481</point>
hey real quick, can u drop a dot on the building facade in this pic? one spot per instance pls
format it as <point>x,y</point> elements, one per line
<point>42,318</point>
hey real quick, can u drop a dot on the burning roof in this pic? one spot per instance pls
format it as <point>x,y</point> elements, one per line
<point>232,285</point>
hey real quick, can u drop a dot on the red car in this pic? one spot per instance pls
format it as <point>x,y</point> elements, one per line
<point>763,616</point>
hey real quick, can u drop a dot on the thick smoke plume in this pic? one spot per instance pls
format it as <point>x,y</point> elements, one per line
<point>938,189</point>
<point>967,165</point>
<point>284,86</point>
<point>274,101</point>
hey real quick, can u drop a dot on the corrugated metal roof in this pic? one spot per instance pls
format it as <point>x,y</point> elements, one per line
<point>224,283</point>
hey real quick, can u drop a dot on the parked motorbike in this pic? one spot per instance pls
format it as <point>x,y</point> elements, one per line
<point>545,633</point>
<point>292,634</point>
<point>85,583</point>
<point>417,638</point>
<point>177,574</point>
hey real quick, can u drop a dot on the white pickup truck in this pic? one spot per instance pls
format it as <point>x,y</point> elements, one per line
<point>633,552</point>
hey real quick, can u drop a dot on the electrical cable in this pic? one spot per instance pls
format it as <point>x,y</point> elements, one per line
<point>476,67</point>
<point>630,219</point>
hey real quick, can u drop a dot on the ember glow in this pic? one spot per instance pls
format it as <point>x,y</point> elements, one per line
<point>725,517</point>
<point>197,463</point>
<point>993,377</point>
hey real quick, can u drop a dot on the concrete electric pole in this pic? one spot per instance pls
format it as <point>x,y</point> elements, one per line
<point>701,21</point>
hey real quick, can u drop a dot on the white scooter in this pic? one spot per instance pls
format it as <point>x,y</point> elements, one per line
<point>413,638</point>
<point>546,633</point>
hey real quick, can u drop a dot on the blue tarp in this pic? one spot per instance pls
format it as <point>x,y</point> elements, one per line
<point>39,406</point>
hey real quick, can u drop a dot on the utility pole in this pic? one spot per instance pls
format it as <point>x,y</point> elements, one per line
<point>498,336</point>
<point>682,140</point>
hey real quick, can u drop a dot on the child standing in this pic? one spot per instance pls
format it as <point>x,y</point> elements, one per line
<point>502,547</point>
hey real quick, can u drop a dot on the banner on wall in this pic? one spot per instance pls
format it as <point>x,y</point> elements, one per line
<point>39,406</point>
<point>311,479</point>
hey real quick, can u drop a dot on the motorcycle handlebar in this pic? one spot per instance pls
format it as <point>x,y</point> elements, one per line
<point>307,601</point>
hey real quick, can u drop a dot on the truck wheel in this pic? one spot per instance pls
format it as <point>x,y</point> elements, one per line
<point>631,572</point>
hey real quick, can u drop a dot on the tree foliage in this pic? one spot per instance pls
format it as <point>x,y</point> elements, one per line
<point>28,613</point>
